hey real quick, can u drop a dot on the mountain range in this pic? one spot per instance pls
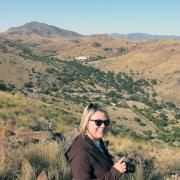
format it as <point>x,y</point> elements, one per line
<point>40,29</point>
<point>142,36</point>
<point>43,29</point>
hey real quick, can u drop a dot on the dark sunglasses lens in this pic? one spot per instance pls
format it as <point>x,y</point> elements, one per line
<point>106,123</point>
<point>99,122</point>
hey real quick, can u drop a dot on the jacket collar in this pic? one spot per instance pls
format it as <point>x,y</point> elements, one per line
<point>106,155</point>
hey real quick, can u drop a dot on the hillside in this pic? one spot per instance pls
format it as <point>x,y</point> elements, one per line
<point>50,40</point>
<point>133,103</point>
<point>69,48</point>
<point>157,60</point>
<point>36,28</point>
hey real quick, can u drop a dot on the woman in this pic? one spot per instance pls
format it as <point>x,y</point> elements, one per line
<point>88,157</point>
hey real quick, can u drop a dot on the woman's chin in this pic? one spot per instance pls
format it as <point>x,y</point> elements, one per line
<point>100,135</point>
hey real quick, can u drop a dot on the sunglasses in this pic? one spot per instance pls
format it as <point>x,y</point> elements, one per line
<point>99,122</point>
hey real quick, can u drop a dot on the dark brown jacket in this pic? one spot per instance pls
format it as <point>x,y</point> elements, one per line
<point>88,162</point>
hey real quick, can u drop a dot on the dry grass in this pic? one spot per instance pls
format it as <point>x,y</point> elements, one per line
<point>168,158</point>
<point>165,157</point>
<point>18,111</point>
<point>2,159</point>
<point>15,70</point>
<point>28,162</point>
<point>28,172</point>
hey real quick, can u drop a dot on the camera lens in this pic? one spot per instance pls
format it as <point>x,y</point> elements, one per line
<point>130,168</point>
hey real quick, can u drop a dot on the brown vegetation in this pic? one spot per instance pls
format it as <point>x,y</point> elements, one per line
<point>153,60</point>
<point>46,94</point>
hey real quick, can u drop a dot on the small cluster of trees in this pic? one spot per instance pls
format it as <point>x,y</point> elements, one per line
<point>6,86</point>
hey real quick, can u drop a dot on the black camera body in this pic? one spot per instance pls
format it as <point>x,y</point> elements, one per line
<point>130,168</point>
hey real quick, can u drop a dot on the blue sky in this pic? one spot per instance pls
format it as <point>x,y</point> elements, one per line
<point>160,17</point>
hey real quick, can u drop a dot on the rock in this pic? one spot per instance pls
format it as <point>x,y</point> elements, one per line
<point>42,176</point>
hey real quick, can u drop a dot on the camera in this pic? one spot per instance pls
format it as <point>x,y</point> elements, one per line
<point>130,168</point>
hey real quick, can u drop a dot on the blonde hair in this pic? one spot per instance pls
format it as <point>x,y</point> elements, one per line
<point>89,110</point>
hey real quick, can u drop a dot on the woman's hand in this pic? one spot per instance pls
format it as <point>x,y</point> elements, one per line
<point>120,165</point>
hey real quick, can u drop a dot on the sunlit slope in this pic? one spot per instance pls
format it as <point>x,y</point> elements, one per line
<point>46,39</point>
<point>137,110</point>
<point>158,60</point>
<point>69,48</point>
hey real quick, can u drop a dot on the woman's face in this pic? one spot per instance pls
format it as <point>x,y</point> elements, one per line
<point>94,131</point>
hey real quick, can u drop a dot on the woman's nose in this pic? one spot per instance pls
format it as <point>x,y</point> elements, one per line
<point>102,125</point>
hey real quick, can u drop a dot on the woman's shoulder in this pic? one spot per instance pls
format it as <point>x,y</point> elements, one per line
<point>79,146</point>
<point>79,141</point>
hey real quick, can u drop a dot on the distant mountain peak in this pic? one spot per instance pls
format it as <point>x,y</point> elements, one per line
<point>142,36</point>
<point>41,29</point>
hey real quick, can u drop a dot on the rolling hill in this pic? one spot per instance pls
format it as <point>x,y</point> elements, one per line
<point>49,40</point>
<point>134,104</point>
<point>154,60</point>
<point>41,29</point>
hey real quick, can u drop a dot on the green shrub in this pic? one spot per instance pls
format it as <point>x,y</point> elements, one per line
<point>96,44</point>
